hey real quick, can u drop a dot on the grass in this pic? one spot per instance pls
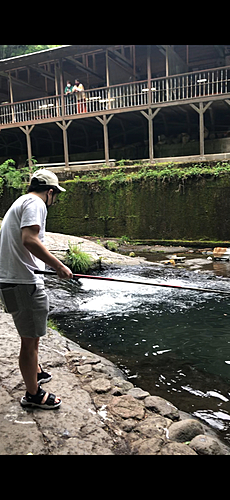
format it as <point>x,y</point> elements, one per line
<point>78,261</point>
<point>159,171</point>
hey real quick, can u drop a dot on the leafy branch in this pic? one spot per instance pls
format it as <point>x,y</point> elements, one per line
<point>11,176</point>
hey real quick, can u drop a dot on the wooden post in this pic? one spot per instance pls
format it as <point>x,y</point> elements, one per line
<point>62,90</point>
<point>107,77</point>
<point>167,71</point>
<point>56,73</point>
<point>64,126</point>
<point>201,128</point>
<point>105,122</point>
<point>66,149</point>
<point>11,97</point>
<point>201,110</point>
<point>151,115</point>
<point>57,77</point>
<point>149,72</point>
<point>28,131</point>
<point>106,140</point>
<point>107,67</point>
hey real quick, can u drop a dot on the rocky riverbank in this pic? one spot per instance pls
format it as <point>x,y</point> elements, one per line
<point>101,412</point>
<point>100,256</point>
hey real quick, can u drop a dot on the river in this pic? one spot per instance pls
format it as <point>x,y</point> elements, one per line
<point>174,343</point>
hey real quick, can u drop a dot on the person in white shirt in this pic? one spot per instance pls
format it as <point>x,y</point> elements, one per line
<point>22,251</point>
<point>78,88</point>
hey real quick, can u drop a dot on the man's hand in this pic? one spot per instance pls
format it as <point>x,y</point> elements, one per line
<point>64,272</point>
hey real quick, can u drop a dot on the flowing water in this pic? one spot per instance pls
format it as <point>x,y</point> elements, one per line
<point>174,343</point>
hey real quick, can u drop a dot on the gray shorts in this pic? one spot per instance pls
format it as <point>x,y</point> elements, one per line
<point>29,306</point>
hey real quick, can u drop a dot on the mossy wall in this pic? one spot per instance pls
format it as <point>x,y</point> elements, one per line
<point>196,208</point>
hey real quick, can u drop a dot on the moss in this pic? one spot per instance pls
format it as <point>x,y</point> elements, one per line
<point>111,245</point>
<point>193,208</point>
<point>164,202</point>
<point>160,171</point>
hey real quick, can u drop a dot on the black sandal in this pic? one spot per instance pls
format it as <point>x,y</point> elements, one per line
<point>43,377</point>
<point>30,400</point>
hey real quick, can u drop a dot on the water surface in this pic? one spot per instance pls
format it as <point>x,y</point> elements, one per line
<point>174,343</point>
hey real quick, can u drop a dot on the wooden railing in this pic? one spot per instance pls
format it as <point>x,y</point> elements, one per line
<point>187,86</point>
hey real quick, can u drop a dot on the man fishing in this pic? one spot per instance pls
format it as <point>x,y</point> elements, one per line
<point>22,251</point>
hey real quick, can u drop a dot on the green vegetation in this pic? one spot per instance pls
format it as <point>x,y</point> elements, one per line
<point>111,245</point>
<point>18,50</point>
<point>162,171</point>
<point>11,176</point>
<point>162,202</point>
<point>124,240</point>
<point>182,242</point>
<point>51,323</point>
<point>78,261</point>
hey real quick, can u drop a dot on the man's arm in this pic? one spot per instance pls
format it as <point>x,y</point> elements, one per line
<point>32,242</point>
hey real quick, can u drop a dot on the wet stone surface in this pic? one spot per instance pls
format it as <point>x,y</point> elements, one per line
<point>101,412</point>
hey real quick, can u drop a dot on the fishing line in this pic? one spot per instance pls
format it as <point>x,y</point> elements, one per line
<point>119,280</point>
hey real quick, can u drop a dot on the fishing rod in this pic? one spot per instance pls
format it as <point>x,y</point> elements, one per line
<point>119,280</point>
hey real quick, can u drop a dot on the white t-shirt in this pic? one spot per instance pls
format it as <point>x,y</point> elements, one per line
<point>17,264</point>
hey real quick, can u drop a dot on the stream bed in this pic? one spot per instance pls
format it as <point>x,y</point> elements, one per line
<point>173,343</point>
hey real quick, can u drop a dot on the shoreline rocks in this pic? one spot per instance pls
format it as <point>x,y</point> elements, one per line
<point>100,256</point>
<point>101,413</point>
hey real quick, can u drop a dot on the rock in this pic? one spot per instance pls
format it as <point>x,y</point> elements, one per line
<point>101,385</point>
<point>117,391</point>
<point>82,357</point>
<point>127,407</point>
<point>98,254</point>
<point>19,439</point>
<point>102,399</point>
<point>176,449</point>
<point>148,447</point>
<point>162,406</point>
<point>128,425</point>
<point>185,430</point>
<point>91,420</point>
<point>153,426</point>
<point>77,358</point>
<point>84,369</point>
<point>206,445</point>
<point>124,385</point>
<point>138,393</point>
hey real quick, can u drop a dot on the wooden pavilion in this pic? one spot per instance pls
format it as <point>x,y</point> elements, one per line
<point>147,94</point>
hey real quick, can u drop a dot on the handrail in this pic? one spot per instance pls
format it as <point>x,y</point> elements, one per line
<point>192,85</point>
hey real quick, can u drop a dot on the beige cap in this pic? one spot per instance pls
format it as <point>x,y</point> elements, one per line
<point>45,176</point>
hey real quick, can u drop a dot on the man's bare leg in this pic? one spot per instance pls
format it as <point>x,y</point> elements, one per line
<point>28,363</point>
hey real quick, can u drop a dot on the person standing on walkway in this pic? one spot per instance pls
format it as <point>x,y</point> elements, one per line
<point>22,251</point>
<point>78,88</point>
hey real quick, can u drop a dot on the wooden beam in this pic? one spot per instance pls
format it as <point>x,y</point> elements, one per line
<point>64,126</point>
<point>150,116</point>
<point>114,54</point>
<point>201,110</point>
<point>28,131</point>
<point>23,83</point>
<point>105,122</point>
<point>201,128</point>
<point>149,74</point>
<point>84,68</point>
<point>43,72</point>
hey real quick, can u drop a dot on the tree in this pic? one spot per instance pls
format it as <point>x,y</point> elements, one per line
<point>18,50</point>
